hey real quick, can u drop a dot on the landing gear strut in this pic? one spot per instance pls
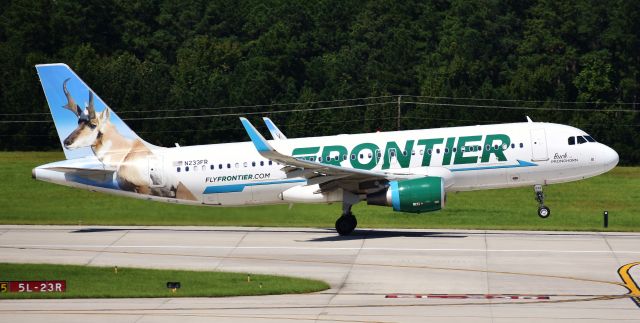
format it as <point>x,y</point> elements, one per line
<point>543,211</point>
<point>347,222</point>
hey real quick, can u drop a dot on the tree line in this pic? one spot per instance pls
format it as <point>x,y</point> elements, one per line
<point>450,62</point>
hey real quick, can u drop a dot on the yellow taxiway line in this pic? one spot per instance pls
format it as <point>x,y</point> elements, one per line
<point>632,286</point>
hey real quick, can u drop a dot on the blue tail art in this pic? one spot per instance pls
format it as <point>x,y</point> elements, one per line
<point>79,113</point>
<point>124,161</point>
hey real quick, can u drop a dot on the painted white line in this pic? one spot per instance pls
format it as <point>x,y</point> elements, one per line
<point>309,248</point>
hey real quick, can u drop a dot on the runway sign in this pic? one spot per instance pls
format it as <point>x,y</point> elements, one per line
<point>31,286</point>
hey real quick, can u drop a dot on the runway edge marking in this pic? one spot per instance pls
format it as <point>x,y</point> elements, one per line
<point>630,284</point>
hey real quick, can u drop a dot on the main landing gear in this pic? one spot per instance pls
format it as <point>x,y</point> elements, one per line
<point>543,211</point>
<point>347,222</point>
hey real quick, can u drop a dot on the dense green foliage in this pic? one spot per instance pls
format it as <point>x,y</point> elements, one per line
<point>574,206</point>
<point>193,56</point>
<point>104,282</point>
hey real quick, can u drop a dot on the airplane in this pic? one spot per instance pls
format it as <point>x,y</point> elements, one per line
<point>409,171</point>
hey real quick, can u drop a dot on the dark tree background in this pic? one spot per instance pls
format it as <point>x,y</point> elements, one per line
<point>453,62</point>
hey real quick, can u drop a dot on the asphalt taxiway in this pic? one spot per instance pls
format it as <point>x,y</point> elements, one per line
<point>375,275</point>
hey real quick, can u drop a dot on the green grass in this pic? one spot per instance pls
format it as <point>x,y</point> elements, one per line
<point>574,206</point>
<point>103,282</point>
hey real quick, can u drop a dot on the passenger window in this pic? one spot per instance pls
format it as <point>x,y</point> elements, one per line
<point>446,150</point>
<point>353,156</point>
<point>581,140</point>
<point>344,157</point>
<point>438,151</point>
<point>455,149</point>
<point>421,152</point>
<point>513,146</point>
<point>488,147</point>
<point>270,163</point>
<point>572,141</point>
<point>262,163</point>
<point>320,159</point>
<point>245,164</point>
<point>404,153</point>
<point>521,145</point>
<point>228,165</point>
<point>429,151</point>
<point>392,152</point>
<point>361,156</point>
<point>212,166</point>
<point>369,155</point>
<point>413,153</point>
<point>178,169</point>
<point>219,166</point>
<point>186,169</point>
<point>253,164</point>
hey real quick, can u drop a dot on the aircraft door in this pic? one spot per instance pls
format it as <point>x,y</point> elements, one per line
<point>539,145</point>
<point>156,171</point>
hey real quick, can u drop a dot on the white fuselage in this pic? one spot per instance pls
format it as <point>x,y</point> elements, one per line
<point>235,174</point>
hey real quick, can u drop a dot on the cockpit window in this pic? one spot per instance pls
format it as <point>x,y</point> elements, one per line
<point>589,139</point>
<point>581,140</point>
<point>572,140</point>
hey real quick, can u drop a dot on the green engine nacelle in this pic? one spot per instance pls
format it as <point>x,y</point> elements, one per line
<point>413,195</point>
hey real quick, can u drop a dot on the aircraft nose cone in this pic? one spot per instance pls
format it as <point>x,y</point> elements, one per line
<point>610,158</point>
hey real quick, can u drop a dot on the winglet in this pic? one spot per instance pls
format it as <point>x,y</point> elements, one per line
<point>258,140</point>
<point>273,129</point>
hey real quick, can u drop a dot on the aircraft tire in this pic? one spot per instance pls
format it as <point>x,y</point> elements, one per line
<point>544,212</point>
<point>346,224</point>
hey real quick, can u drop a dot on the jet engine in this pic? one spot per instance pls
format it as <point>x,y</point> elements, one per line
<point>417,195</point>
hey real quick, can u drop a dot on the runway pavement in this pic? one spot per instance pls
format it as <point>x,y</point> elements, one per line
<point>375,275</point>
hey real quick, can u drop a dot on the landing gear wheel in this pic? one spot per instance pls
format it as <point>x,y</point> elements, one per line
<point>346,224</point>
<point>544,212</point>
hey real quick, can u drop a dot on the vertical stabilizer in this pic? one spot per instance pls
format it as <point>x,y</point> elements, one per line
<point>77,111</point>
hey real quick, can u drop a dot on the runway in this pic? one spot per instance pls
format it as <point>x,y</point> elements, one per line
<point>375,275</point>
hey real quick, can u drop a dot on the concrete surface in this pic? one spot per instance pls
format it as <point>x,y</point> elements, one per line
<point>376,275</point>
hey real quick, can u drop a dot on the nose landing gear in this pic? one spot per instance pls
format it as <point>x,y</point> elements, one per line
<point>543,211</point>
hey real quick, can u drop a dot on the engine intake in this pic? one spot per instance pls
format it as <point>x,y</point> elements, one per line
<point>414,195</point>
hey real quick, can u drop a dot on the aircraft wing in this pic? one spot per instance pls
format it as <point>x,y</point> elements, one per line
<point>319,173</point>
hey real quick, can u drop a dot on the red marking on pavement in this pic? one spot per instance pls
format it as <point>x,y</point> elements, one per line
<point>469,296</point>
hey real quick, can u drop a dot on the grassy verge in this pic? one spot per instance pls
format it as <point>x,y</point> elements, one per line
<point>103,282</point>
<point>574,206</point>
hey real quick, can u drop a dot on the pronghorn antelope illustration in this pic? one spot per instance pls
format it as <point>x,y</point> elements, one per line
<point>129,158</point>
